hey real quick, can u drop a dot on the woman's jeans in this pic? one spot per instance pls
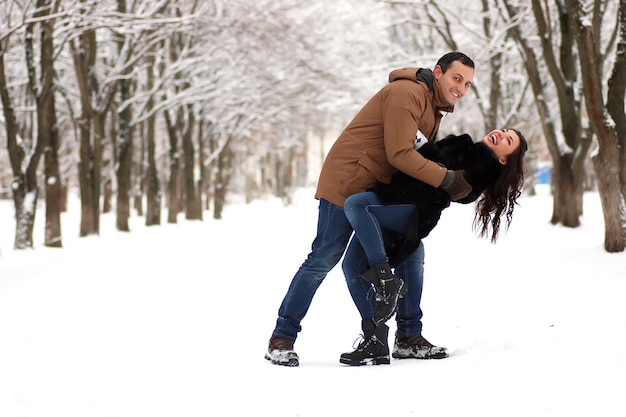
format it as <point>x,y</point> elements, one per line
<point>368,216</point>
<point>333,234</point>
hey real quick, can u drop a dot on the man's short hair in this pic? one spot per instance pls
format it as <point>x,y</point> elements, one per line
<point>447,60</point>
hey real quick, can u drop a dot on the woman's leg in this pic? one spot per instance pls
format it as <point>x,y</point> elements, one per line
<point>368,215</point>
<point>374,348</point>
<point>409,316</point>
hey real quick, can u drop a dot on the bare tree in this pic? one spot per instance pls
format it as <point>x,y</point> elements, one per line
<point>134,39</point>
<point>617,91</point>
<point>153,213</point>
<point>83,50</point>
<point>97,86</point>
<point>607,161</point>
<point>568,158</point>
<point>124,143</point>
<point>24,155</point>
<point>173,197</point>
<point>47,125</point>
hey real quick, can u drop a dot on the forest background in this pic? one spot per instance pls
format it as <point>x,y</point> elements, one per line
<point>177,107</point>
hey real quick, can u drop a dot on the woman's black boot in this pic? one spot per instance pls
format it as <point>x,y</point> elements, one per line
<point>373,349</point>
<point>388,289</point>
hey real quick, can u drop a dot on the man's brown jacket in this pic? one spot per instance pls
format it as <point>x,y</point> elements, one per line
<point>378,142</point>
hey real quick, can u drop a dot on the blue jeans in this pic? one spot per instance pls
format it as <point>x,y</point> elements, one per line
<point>333,234</point>
<point>368,215</point>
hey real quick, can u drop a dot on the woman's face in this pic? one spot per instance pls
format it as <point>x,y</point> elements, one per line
<point>503,142</point>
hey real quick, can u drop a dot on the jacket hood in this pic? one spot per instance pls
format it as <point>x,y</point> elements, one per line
<point>423,75</point>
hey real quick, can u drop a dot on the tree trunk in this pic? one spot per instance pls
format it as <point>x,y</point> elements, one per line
<point>567,204</point>
<point>172,188</point>
<point>202,181</point>
<point>153,215</point>
<point>606,164</point>
<point>84,62</point>
<point>98,186</point>
<point>54,197</point>
<point>46,116</point>
<point>490,114</point>
<point>85,180</point>
<point>569,172</point>
<point>138,172</point>
<point>153,187</point>
<point>107,196</point>
<point>43,92</point>
<point>607,160</point>
<point>193,205</point>
<point>221,181</point>
<point>124,161</point>
<point>617,92</point>
<point>284,175</point>
<point>124,144</point>
<point>210,170</point>
<point>24,184</point>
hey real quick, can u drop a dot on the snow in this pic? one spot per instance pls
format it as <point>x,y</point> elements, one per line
<point>173,320</point>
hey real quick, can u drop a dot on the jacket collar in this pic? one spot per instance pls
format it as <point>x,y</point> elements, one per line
<point>439,100</point>
<point>427,77</point>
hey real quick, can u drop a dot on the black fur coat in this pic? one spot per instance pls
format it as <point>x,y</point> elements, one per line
<point>455,152</point>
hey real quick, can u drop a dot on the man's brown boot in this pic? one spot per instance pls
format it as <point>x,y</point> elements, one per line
<point>280,352</point>
<point>417,347</point>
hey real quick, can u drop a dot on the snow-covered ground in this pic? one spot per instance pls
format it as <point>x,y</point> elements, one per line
<point>174,320</point>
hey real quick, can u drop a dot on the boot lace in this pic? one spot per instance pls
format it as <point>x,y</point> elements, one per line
<point>362,342</point>
<point>378,293</point>
<point>359,342</point>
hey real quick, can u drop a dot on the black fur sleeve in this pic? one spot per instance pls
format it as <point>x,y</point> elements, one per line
<point>455,152</point>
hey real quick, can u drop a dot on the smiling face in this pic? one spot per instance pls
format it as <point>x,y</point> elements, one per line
<point>503,143</point>
<point>455,82</point>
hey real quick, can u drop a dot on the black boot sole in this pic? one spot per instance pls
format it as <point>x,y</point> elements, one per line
<point>378,360</point>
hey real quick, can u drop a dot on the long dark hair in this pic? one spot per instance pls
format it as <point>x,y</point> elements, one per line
<point>502,195</point>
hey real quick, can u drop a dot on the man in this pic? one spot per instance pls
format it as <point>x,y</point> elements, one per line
<point>377,143</point>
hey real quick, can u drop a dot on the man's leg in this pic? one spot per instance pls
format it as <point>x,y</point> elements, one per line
<point>374,348</point>
<point>354,264</point>
<point>368,213</point>
<point>333,234</point>
<point>409,341</point>
<point>409,315</point>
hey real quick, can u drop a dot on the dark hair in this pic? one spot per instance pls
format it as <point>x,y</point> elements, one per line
<point>447,60</point>
<point>502,195</point>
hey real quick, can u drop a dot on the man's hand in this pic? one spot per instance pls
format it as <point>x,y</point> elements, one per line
<point>454,183</point>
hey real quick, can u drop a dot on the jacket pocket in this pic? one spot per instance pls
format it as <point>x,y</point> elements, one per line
<point>366,173</point>
<point>380,173</point>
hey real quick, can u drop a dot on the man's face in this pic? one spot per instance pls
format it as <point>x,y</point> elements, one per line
<point>455,82</point>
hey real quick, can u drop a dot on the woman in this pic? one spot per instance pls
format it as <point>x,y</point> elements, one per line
<point>390,220</point>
